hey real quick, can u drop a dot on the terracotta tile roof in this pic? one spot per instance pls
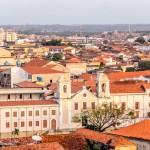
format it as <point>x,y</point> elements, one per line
<point>140,130</point>
<point>75,89</point>
<point>74,60</point>
<point>40,70</point>
<point>37,62</point>
<point>21,140</point>
<point>104,138</point>
<point>27,102</point>
<point>56,47</point>
<point>88,76</point>
<point>28,84</point>
<point>43,146</point>
<point>121,75</point>
<point>68,141</point>
<point>127,87</point>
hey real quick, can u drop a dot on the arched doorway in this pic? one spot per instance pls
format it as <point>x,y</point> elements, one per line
<point>53,124</point>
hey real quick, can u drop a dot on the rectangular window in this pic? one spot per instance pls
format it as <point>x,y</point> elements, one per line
<point>20,96</point>
<point>22,113</point>
<point>44,112</point>
<point>137,105</point>
<point>44,123</point>
<point>30,123</point>
<point>84,105</point>
<point>93,105</point>
<point>8,97</point>
<point>37,113</point>
<point>7,124</point>
<point>137,114</point>
<point>76,106</point>
<point>30,113</point>
<point>53,112</point>
<point>123,105</point>
<point>37,123</point>
<point>149,104</point>
<point>22,124</point>
<point>30,96</point>
<point>15,124</point>
<point>14,114</point>
<point>7,114</point>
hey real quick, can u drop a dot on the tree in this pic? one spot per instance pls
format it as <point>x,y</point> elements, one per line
<point>144,65</point>
<point>140,40</point>
<point>70,44</point>
<point>15,132</point>
<point>102,65</point>
<point>49,56</point>
<point>120,68</point>
<point>130,69</point>
<point>105,42</point>
<point>52,43</point>
<point>105,116</point>
<point>57,57</point>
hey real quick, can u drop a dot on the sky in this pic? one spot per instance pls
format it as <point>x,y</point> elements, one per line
<point>74,12</point>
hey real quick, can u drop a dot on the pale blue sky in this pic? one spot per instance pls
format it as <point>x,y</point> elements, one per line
<point>74,11</point>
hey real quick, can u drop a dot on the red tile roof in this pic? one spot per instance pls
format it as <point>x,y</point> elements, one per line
<point>27,102</point>
<point>74,60</point>
<point>88,77</point>
<point>28,84</point>
<point>43,146</point>
<point>56,47</point>
<point>37,62</point>
<point>140,130</point>
<point>121,75</point>
<point>127,87</point>
<point>40,70</point>
<point>68,141</point>
<point>104,138</point>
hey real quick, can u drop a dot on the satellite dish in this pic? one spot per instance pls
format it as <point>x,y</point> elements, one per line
<point>37,138</point>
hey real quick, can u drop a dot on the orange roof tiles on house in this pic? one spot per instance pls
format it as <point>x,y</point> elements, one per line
<point>74,88</point>
<point>40,70</point>
<point>56,47</point>
<point>68,141</point>
<point>104,138</point>
<point>43,146</point>
<point>88,76</point>
<point>122,75</point>
<point>127,87</point>
<point>27,102</point>
<point>74,60</point>
<point>28,84</point>
<point>140,130</point>
<point>37,62</point>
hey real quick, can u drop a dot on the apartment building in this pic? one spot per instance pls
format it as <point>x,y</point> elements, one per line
<point>27,110</point>
<point>10,36</point>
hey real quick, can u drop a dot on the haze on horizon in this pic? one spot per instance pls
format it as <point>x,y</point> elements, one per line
<point>74,12</point>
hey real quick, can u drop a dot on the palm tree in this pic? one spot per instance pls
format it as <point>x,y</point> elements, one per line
<point>15,132</point>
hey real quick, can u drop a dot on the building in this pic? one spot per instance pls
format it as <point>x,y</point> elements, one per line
<point>41,75</point>
<point>27,110</point>
<point>106,141</point>
<point>69,99</point>
<point>139,133</point>
<point>10,36</point>
<point>61,49</point>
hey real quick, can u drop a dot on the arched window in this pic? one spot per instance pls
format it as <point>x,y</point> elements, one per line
<point>65,88</point>
<point>103,87</point>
